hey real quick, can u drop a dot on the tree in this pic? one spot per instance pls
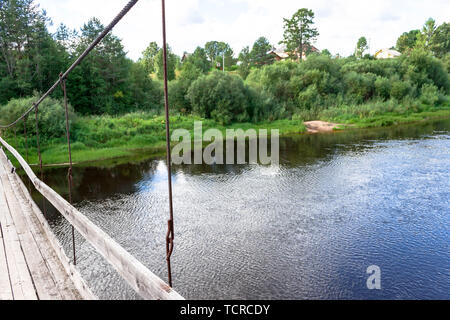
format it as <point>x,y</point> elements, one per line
<point>220,96</point>
<point>172,60</point>
<point>259,55</point>
<point>148,57</point>
<point>244,62</point>
<point>326,52</point>
<point>361,46</point>
<point>99,85</point>
<point>30,59</point>
<point>199,59</point>
<point>441,41</point>
<point>299,32</point>
<point>425,38</point>
<point>145,94</point>
<point>217,50</point>
<point>407,41</point>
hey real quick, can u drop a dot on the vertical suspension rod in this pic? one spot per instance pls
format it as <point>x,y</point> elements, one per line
<point>36,110</point>
<point>170,229</point>
<point>69,173</point>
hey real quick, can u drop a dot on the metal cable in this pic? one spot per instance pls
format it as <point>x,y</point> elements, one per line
<point>78,61</point>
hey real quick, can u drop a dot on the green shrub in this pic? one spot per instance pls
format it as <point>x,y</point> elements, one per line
<point>429,95</point>
<point>383,88</point>
<point>400,89</point>
<point>359,87</point>
<point>51,115</point>
<point>221,97</point>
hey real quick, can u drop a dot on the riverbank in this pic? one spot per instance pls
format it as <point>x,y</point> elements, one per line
<point>136,136</point>
<point>141,136</point>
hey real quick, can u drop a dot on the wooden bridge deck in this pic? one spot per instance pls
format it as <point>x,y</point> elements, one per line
<point>33,265</point>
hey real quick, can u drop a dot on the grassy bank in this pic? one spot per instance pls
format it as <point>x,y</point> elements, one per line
<point>132,135</point>
<point>142,135</point>
<point>384,114</point>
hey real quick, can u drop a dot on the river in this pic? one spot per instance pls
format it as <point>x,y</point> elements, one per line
<point>306,229</point>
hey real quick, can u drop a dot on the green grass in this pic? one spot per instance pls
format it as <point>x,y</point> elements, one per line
<point>131,136</point>
<point>384,114</point>
<point>140,135</point>
<point>388,119</point>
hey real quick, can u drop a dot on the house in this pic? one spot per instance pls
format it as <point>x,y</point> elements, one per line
<point>387,54</point>
<point>282,54</point>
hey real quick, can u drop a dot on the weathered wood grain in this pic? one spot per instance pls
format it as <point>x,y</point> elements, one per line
<point>142,280</point>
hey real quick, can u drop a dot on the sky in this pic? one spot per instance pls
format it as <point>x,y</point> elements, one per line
<point>192,23</point>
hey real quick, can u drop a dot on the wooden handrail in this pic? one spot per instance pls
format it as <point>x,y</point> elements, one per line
<point>141,279</point>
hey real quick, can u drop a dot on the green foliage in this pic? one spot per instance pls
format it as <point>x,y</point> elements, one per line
<point>51,117</point>
<point>441,40</point>
<point>359,87</point>
<point>199,59</point>
<point>108,83</point>
<point>30,59</point>
<point>400,89</point>
<point>216,51</point>
<point>258,55</point>
<point>221,97</point>
<point>172,61</point>
<point>321,83</point>
<point>94,87</point>
<point>361,46</point>
<point>326,52</point>
<point>430,95</point>
<point>145,94</point>
<point>383,88</point>
<point>425,38</point>
<point>245,62</point>
<point>148,57</point>
<point>299,32</point>
<point>407,41</point>
<point>421,68</point>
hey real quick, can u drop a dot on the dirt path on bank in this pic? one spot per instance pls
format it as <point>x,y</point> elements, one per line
<point>320,126</point>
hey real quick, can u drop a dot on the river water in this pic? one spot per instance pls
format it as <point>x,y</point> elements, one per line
<point>306,229</point>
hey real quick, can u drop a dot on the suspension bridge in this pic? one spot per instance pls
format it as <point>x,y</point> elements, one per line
<point>33,263</point>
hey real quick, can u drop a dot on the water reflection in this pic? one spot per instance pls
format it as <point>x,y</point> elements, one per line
<point>308,228</point>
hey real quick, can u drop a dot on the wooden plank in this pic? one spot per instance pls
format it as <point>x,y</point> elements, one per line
<point>5,282</point>
<point>44,283</point>
<point>21,281</point>
<point>56,274</point>
<point>36,218</point>
<point>142,280</point>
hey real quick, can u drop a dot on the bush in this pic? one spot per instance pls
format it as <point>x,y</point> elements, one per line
<point>429,95</point>
<point>359,87</point>
<point>400,89</point>
<point>383,88</point>
<point>221,97</point>
<point>52,121</point>
<point>422,68</point>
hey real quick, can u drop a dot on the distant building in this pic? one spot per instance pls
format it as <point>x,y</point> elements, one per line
<point>281,53</point>
<point>387,54</point>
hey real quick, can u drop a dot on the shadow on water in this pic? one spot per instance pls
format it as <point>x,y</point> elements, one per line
<point>309,228</point>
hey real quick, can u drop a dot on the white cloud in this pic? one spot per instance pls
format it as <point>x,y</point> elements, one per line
<point>191,23</point>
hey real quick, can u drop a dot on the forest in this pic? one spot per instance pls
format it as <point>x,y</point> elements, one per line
<point>117,102</point>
